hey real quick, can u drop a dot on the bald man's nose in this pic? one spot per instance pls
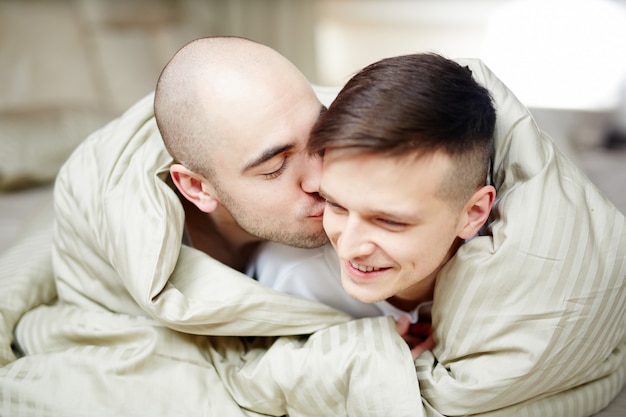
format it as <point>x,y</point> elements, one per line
<point>312,173</point>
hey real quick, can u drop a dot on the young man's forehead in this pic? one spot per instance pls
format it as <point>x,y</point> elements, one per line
<point>379,178</point>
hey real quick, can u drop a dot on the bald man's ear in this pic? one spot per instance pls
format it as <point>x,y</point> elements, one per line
<point>194,187</point>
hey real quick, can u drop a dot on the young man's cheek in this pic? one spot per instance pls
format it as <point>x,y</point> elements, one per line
<point>331,226</point>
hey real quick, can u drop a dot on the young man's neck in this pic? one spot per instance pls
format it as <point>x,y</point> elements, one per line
<point>410,304</point>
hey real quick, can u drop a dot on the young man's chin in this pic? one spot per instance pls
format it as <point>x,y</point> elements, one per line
<point>359,291</point>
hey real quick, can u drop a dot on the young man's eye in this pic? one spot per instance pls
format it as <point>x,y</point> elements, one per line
<point>391,223</point>
<point>334,206</point>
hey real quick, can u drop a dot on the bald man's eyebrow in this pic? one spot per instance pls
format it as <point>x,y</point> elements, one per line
<point>266,156</point>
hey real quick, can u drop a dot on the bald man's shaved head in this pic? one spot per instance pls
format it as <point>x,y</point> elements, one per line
<point>236,116</point>
<point>201,88</point>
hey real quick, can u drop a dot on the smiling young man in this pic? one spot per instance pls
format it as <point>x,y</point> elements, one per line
<point>406,148</point>
<point>528,316</point>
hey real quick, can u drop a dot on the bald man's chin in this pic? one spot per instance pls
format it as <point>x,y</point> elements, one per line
<point>306,242</point>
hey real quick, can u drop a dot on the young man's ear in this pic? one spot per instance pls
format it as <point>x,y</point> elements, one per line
<point>476,211</point>
<point>194,188</point>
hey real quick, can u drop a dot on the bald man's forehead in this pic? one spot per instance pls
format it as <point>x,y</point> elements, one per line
<point>257,133</point>
<point>225,96</point>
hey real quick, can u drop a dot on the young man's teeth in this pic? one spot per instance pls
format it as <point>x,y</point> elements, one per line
<point>363,268</point>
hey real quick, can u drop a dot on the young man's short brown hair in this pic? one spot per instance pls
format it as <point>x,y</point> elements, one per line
<point>415,104</point>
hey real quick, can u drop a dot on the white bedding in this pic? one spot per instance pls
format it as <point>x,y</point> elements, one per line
<point>146,369</point>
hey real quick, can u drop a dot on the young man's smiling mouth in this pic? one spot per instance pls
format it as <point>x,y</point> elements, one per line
<point>365,268</point>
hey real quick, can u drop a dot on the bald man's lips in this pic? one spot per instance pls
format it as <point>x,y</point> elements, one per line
<point>319,214</point>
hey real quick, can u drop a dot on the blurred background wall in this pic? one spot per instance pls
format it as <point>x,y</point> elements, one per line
<point>69,66</point>
<point>565,59</point>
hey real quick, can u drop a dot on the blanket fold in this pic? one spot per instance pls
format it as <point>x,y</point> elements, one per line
<point>529,319</point>
<point>26,276</point>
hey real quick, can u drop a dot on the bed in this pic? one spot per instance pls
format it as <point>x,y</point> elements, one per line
<point>528,172</point>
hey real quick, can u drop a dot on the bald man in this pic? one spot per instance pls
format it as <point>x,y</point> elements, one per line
<point>230,162</point>
<point>156,215</point>
<point>235,116</point>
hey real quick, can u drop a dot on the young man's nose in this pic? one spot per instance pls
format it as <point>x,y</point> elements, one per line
<point>353,240</point>
<point>312,173</point>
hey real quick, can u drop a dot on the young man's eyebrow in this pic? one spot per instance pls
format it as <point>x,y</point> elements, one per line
<point>266,156</point>
<point>323,194</point>
<point>400,216</point>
